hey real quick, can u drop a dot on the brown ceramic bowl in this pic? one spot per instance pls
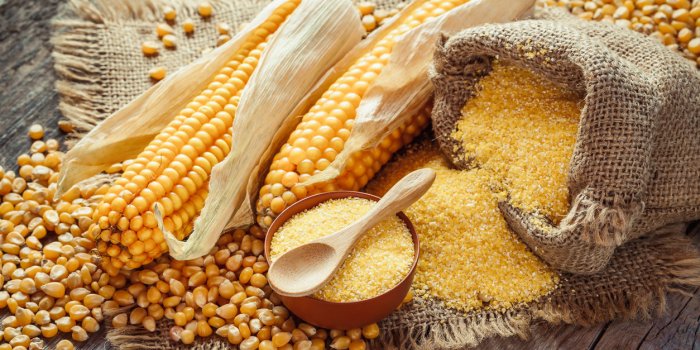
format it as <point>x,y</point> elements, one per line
<point>332,315</point>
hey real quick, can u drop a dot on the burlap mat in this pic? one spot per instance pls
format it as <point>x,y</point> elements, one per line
<point>97,50</point>
<point>100,67</point>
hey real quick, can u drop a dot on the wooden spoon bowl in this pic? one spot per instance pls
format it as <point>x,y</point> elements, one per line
<point>333,315</point>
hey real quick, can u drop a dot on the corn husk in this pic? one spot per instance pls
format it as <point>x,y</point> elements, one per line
<point>403,85</point>
<point>124,134</point>
<point>312,39</point>
<point>404,90</point>
<point>243,214</point>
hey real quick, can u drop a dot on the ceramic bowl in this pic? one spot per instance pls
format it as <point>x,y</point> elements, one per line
<point>334,315</point>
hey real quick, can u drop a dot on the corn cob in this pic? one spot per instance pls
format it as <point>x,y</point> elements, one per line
<point>323,130</point>
<point>173,170</point>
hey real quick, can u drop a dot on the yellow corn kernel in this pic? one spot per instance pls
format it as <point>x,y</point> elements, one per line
<point>169,41</point>
<point>222,39</point>
<point>163,29</point>
<point>66,126</point>
<point>65,344</point>
<point>281,339</point>
<point>370,331</point>
<point>223,28</point>
<point>205,9</point>
<point>78,334</point>
<point>90,324</point>
<point>65,324</point>
<point>157,73</point>
<point>188,26</point>
<point>369,22</point>
<point>149,323</point>
<point>49,330</point>
<point>169,13</point>
<point>357,344</point>
<point>149,48</point>
<point>120,320</point>
<point>694,46</point>
<point>366,8</point>
<point>36,132</point>
<point>54,289</point>
<point>340,343</point>
<point>326,126</point>
<point>266,345</point>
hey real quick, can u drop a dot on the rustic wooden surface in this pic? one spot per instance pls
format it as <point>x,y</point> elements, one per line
<point>27,96</point>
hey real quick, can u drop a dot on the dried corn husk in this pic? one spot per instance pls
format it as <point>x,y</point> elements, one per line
<point>314,37</point>
<point>126,132</point>
<point>403,85</point>
<point>243,213</point>
<point>403,90</point>
<point>300,52</point>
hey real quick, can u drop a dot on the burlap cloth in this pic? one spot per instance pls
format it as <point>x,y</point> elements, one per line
<point>636,162</point>
<point>100,67</point>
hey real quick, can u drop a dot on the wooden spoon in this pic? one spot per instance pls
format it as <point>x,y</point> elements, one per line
<point>307,268</point>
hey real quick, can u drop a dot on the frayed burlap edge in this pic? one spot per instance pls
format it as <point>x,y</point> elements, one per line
<point>76,50</point>
<point>445,328</point>
<point>671,258</point>
<point>583,300</point>
<point>137,338</point>
<point>77,60</point>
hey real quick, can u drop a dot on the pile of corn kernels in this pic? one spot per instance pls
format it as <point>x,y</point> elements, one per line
<point>52,282</point>
<point>676,23</point>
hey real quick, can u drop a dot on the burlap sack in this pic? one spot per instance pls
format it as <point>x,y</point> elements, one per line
<point>636,163</point>
<point>100,68</point>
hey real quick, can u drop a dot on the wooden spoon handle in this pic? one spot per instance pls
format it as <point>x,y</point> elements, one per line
<point>404,193</point>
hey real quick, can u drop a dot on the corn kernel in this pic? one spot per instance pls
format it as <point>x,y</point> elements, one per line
<point>169,13</point>
<point>169,41</point>
<point>157,73</point>
<point>149,48</point>
<point>188,26</point>
<point>163,29</point>
<point>36,132</point>
<point>205,9</point>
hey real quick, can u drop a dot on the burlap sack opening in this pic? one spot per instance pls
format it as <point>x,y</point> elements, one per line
<point>100,68</point>
<point>637,157</point>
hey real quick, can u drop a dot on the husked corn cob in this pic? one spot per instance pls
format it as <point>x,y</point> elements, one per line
<point>325,128</point>
<point>173,170</point>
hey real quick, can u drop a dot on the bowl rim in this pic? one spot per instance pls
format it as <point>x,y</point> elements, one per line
<point>343,194</point>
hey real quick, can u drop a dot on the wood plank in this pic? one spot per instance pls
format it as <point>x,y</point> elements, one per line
<point>674,330</point>
<point>678,328</point>
<point>26,75</point>
<point>545,336</point>
<point>681,332</point>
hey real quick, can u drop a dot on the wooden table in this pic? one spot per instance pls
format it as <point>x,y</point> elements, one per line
<point>27,96</point>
